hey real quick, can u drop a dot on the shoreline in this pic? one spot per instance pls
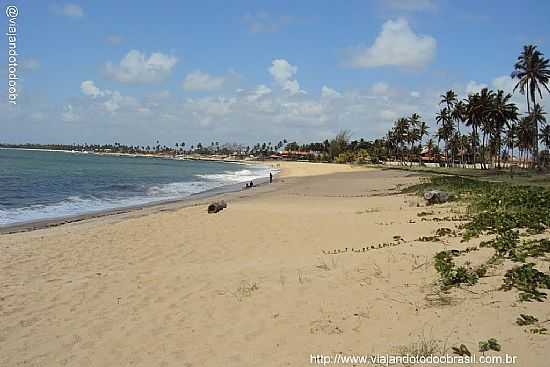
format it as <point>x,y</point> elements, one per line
<point>326,263</point>
<point>172,204</point>
<point>159,204</point>
<point>280,170</point>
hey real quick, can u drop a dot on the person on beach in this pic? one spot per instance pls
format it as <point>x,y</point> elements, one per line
<point>270,178</point>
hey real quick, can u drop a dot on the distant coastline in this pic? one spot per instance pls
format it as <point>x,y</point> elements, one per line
<point>194,156</point>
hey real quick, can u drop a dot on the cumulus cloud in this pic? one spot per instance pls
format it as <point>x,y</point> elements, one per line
<point>474,87</point>
<point>245,115</point>
<point>327,92</point>
<point>89,89</point>
<point>396,45</point>
<point>136,67</point>
<point>507,84</point>
<point>253,95</point>
<point>68,10</point>
<point>283,74</point>
<point>199,81</point>
<point>504,83</point>
<point>113,100</point>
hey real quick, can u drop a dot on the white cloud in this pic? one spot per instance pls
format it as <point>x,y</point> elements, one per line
<point>507,84</point>
<point>68,10</point>
<point>283,74</point>
<point>474,87</point>
<point>264,22</point>
<point>199,81</point>
<point>504,83</point>
<point>117,101</point>
<point>136,67</point>
<point>396,45</point>
<point>113,100</point>
<point>246,115</point>
<point>89,89</point>
<point>256,94</point>
<point>327,92</point>
<point>415,94</point>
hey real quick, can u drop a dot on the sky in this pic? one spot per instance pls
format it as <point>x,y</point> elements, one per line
<point>251,71</point>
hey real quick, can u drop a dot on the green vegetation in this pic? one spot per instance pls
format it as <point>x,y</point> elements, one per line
<point>512,215</point>
<point>462,350</point>
<point>491,344</point>
<point>525,320</point>
<point>527,279</point>
<point>452,275</point>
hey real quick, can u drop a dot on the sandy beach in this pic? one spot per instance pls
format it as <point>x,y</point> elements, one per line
<point>287,271</point>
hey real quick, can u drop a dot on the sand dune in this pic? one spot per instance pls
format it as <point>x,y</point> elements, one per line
<point>252,285</point>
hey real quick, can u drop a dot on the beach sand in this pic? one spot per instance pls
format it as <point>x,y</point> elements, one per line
<point>252,285</point>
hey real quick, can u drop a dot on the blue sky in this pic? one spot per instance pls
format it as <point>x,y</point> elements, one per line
<point>242,71</point>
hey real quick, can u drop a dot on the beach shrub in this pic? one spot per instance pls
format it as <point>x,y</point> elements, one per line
<point>525,320</point>
<point>527,280</point>
<point>452,275</point>
<point>488,345</point>
<point>509,213</point>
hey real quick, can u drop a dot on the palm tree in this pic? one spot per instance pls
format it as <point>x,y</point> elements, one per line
<point>415,134</point>
<point>449,99</point>
<point>510,139</point>
<point>524,137</point>
<point>502,113</point>
<point>473,119</point>
<point>459,115</point>
<point>446,131</point>
<point>537,117</point>
<point>401,131</point>
<point>545,136</point>
<point>532,71</point>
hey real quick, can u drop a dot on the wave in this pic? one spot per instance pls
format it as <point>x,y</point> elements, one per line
<point>89,204</point>
<point>122,195</point>
<point>244,175</point>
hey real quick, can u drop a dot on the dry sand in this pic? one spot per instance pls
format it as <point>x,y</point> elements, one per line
<point>252,285</point>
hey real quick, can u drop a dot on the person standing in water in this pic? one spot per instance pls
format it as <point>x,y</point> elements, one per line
<point>270,177</point>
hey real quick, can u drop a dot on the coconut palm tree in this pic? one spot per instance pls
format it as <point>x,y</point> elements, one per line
<point>545,136</point>
<point>459,115</point>
<point>446,131</point>
<point>532,71</point>
<point>401,131</point>
<point>473,117</point>
<point>524,137</point>
<point>449,99</point>
<point>502,113</point>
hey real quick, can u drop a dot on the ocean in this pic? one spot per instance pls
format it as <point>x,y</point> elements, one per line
<point>40,185</point>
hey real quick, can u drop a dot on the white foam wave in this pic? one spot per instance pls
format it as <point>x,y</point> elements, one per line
<point>76,205</point>
<point>244,175</point>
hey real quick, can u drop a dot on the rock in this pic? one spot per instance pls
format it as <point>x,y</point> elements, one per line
<point>216,206</point>
<point>436,197</point>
